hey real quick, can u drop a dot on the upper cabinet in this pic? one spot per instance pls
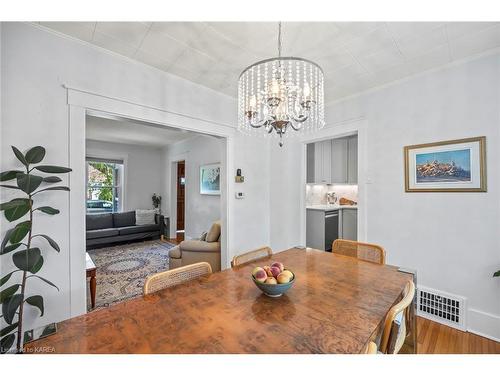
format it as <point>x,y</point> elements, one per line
<point>310,167</point>
<point>333,161</point>
<point>340,155</point>
<point>352,160</point>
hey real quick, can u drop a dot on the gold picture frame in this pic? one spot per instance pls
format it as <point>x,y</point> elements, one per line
<point>444,173</point>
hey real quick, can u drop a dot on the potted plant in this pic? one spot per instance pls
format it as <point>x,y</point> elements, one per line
<point>156,202</point>
<point>22,243</point>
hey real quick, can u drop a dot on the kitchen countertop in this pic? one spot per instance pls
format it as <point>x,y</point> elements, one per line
<point>330,207</point>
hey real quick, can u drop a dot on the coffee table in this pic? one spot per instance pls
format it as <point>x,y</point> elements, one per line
<point>91,271</point>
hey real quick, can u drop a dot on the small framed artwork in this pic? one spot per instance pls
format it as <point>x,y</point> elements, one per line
<point>449,166</point>
<point>210,179</point>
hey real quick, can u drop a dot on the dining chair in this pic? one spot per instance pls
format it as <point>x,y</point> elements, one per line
<point>251,256</point>
<point>177,276</point>
<point>394,333</point>
<point>371,348</point>
<point>363,251</point>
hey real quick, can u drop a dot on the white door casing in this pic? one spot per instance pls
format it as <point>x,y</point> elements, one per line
<point>80,102</point>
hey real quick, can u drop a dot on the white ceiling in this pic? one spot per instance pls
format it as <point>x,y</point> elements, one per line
<point>120,131</point>
<point>355,56</point>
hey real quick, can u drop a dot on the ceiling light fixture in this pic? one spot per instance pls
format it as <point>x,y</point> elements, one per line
<point>281,96</point>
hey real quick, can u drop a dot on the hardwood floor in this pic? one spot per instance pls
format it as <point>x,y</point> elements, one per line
<point>435,338</point>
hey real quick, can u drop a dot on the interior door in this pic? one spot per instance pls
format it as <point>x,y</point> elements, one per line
<point>181,178</point>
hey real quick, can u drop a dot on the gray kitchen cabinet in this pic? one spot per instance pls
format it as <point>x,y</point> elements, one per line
<point>318,162</point>
<point>322,162</point>
<point>322,228</point>
<point>333,161</point>
<point>349,224</point>
<point>327,161</point>
<point>310,157</point>
<point>339,153</point>
<point>352,160</point>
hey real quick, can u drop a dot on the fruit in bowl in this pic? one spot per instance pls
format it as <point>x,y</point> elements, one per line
<point>259,274</point>
<point>273,280</point>
<point>268,270</point>
<point>278,265</point>
<point>283,278</point>
<point>275,271</point>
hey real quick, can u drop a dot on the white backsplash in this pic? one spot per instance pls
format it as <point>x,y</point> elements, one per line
<point>316,193</point>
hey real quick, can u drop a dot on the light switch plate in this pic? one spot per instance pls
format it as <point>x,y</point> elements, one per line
<point>239,195</point>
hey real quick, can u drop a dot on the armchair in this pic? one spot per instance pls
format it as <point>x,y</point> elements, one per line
<point>205,249</point>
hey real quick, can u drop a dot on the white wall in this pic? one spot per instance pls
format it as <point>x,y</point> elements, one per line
<point>252,222</point>
<point>142,170</point>
<point>200,210</point>
<point>35,64</point>
<point>286,192</point>
<point>451,239</point>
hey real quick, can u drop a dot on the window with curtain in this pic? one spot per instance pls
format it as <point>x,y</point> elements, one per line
<point>104,185</point>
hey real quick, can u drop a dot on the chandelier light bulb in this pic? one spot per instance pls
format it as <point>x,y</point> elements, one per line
<point>307,91</point>
<point>253,103</point>
<point>275,87</point>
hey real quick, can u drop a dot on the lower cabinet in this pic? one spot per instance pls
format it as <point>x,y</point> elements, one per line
<point>324,227</point>
<point>349,224</point>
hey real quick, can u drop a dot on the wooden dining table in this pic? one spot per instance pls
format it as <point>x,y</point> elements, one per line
<point>336,305</point>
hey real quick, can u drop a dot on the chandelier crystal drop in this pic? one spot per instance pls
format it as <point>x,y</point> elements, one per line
<point>281,96</point>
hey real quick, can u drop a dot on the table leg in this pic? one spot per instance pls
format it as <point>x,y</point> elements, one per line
<point>92,290</point>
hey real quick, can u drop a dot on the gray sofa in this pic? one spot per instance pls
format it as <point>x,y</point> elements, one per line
<point>108,229</point>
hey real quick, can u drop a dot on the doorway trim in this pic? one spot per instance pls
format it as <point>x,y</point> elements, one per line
<point>338,130</point>
<point>80,103</point>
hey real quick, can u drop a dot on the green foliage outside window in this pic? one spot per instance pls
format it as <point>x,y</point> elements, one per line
<point>103,181</point>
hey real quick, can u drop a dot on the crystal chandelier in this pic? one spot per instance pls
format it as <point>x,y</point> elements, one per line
<point>281,96</point>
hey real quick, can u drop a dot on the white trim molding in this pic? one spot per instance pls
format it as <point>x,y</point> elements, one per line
<point>80,102</point>
<point>483,324</point>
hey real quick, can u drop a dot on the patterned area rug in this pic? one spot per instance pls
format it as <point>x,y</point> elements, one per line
<point>121,270</point>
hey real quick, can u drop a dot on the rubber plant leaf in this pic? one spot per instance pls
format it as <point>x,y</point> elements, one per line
<point>52,169</point>
<point>35,154</point>
<point>28,182</point>
<point>9,175</point>
<point>10,306</point>
<point>20,156</point>
<point>36,301</point>
<point>19,232</point>
<point>27,260</point>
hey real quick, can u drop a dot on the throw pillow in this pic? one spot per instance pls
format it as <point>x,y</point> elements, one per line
<point>203,236</point>
<point>214,232</point>
<point>144,217</point>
